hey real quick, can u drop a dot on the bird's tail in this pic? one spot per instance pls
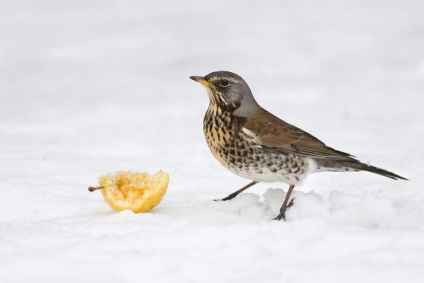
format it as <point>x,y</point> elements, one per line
<point>354,165</point>
<point>365,167</point>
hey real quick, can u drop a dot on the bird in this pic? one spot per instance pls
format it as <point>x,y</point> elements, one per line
<point>255,144</point>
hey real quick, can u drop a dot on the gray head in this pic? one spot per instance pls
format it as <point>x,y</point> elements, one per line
<point>229,92</point>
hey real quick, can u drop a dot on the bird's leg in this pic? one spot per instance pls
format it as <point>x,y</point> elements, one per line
<point>283,208</point>
<point>236,193</point>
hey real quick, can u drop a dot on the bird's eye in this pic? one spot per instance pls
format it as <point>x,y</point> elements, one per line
<point>224,83</point>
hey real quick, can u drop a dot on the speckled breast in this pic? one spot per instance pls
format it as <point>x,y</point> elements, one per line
<point>243,156</point>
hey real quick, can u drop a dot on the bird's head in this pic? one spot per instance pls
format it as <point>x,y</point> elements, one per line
<point>229,92</point>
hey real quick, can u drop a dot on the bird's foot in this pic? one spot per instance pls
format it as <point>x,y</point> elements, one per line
<point>236,193</point>
<point>231,196</point>
<point>282,214</point>
<point>222,199</point>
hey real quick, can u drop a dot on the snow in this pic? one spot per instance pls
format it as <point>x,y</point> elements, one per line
<point>92,87</point>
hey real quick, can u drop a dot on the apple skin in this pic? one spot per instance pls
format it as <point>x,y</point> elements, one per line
<point>138,192</point>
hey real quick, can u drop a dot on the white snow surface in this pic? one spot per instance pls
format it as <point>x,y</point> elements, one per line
<point>92,87</point>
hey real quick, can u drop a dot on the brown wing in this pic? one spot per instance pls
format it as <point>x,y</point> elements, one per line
<point>276,134</point>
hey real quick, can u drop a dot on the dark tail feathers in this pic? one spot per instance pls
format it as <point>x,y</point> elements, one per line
<point>372,169</point>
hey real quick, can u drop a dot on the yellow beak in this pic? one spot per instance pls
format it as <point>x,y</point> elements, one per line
<point>201,80</point>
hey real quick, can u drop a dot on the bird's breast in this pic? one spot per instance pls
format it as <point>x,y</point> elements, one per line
<point>240,152</point>
<point>220,133</point>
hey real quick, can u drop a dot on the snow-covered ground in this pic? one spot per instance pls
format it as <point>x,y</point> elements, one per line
<point>91,87</point>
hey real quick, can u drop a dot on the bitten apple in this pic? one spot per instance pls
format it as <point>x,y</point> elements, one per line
<point>138,192</point>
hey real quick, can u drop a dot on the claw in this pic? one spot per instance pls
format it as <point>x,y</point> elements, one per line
<point>283,209</point>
